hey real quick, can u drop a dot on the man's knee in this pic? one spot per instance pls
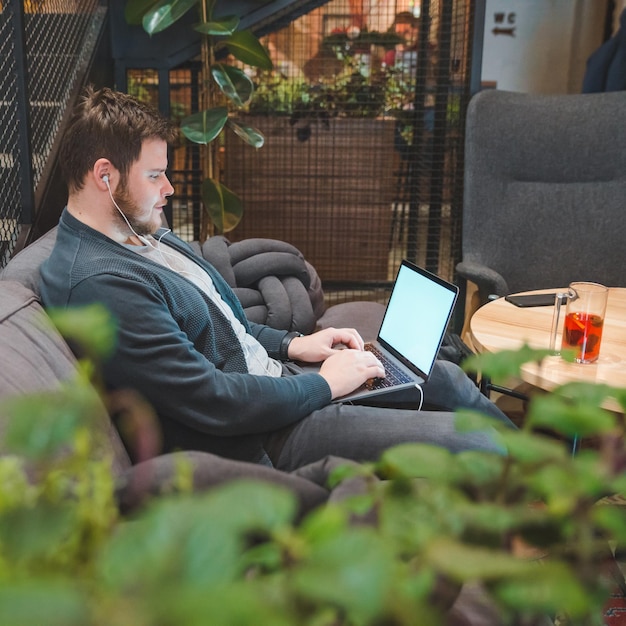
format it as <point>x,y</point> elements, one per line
<point>449,386</point>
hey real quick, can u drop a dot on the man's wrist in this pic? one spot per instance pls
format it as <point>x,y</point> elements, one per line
<point>283,350</point>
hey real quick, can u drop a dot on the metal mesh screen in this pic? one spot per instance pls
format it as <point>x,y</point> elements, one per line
<point>45,46</point>
<point>9,138</point>
<point>187,169</point>
<point>363,161</point>
<point>364,167</point>
<point>60,36</point>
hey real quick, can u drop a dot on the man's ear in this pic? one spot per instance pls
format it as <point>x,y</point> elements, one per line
<point>102,173</point>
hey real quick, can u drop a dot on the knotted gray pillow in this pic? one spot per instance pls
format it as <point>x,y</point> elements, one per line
<point>273,281</point>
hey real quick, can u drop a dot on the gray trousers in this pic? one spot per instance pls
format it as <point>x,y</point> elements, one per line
<point>362,433</point>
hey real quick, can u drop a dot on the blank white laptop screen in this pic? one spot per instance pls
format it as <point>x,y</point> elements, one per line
<point>417,315</point>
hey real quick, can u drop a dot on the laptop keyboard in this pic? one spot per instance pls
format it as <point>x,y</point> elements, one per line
<point>393,374</point>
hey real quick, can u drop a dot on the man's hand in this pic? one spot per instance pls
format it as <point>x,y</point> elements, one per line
<point>346,370</point>
<point>346,365</point>
<point>324,343</point>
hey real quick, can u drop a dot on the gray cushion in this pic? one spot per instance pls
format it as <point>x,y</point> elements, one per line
<point>278,287</point>
<point>273,281</point>
<point>35,358</point>
<point>24,266</point>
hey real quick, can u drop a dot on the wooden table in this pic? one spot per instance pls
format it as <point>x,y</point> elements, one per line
<point>500,325</point>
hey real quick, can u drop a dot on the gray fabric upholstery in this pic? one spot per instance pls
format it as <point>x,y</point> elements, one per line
<point>364,316</point>
<point>545,190</point>
<point>24,266</point>
<point>35,358</point>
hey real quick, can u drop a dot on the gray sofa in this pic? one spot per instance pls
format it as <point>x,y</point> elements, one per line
<point>35,358</point>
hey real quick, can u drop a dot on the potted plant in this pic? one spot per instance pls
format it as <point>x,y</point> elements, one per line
<point>224,86</point>
<point>325,180</point>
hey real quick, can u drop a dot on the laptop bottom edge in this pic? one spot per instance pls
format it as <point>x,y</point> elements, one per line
<point>406,394</point>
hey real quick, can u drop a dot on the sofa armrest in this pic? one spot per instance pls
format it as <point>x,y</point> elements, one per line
<point>366,317</point>
<point>157,476</point>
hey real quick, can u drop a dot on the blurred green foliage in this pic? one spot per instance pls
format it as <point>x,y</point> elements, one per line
<point>235,555</point>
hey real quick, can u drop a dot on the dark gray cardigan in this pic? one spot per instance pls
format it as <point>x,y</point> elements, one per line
<point>176,348</point>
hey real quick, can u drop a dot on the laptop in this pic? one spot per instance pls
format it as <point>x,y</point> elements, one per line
<point>410,335</point>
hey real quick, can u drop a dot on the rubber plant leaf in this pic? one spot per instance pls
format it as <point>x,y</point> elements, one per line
<point>222,205</point>
<point>163,14</point>
<point>203,127</point>
<point>250,135</point>
<point>224,26</point>
<point>233,82</point>
<point>136,9</point>
<point>245,47</point>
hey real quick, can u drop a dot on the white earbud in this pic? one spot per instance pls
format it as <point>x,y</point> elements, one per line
<point>105,179</point>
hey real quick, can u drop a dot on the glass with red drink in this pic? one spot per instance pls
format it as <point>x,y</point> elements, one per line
<point>584,320</point>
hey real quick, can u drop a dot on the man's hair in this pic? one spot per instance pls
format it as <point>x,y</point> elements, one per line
<point>112,125</point>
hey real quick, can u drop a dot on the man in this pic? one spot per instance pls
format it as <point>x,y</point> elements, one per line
<point>215,380</point>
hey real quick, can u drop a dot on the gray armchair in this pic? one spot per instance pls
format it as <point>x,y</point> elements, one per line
<point>545,191</point>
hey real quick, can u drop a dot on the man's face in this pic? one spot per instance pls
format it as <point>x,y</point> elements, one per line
<point>146,190</point>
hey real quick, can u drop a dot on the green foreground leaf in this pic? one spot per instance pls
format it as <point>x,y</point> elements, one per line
<point>43,602</point>
<point>224,26</point>
<point>44,424</point>
<point>464,563</point>
<point>91,327</point>
<point>505,363</point>
<point>250,135</point>
<point>569,418</point>
<point>551,588</point>
<point>352,570</point>
<point>196,540</point>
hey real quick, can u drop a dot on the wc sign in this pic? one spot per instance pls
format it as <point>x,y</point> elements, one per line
<point>504,24</point>
<point>539,46</point>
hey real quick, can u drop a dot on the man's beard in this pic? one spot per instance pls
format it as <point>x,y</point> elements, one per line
<point>127,208</point>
